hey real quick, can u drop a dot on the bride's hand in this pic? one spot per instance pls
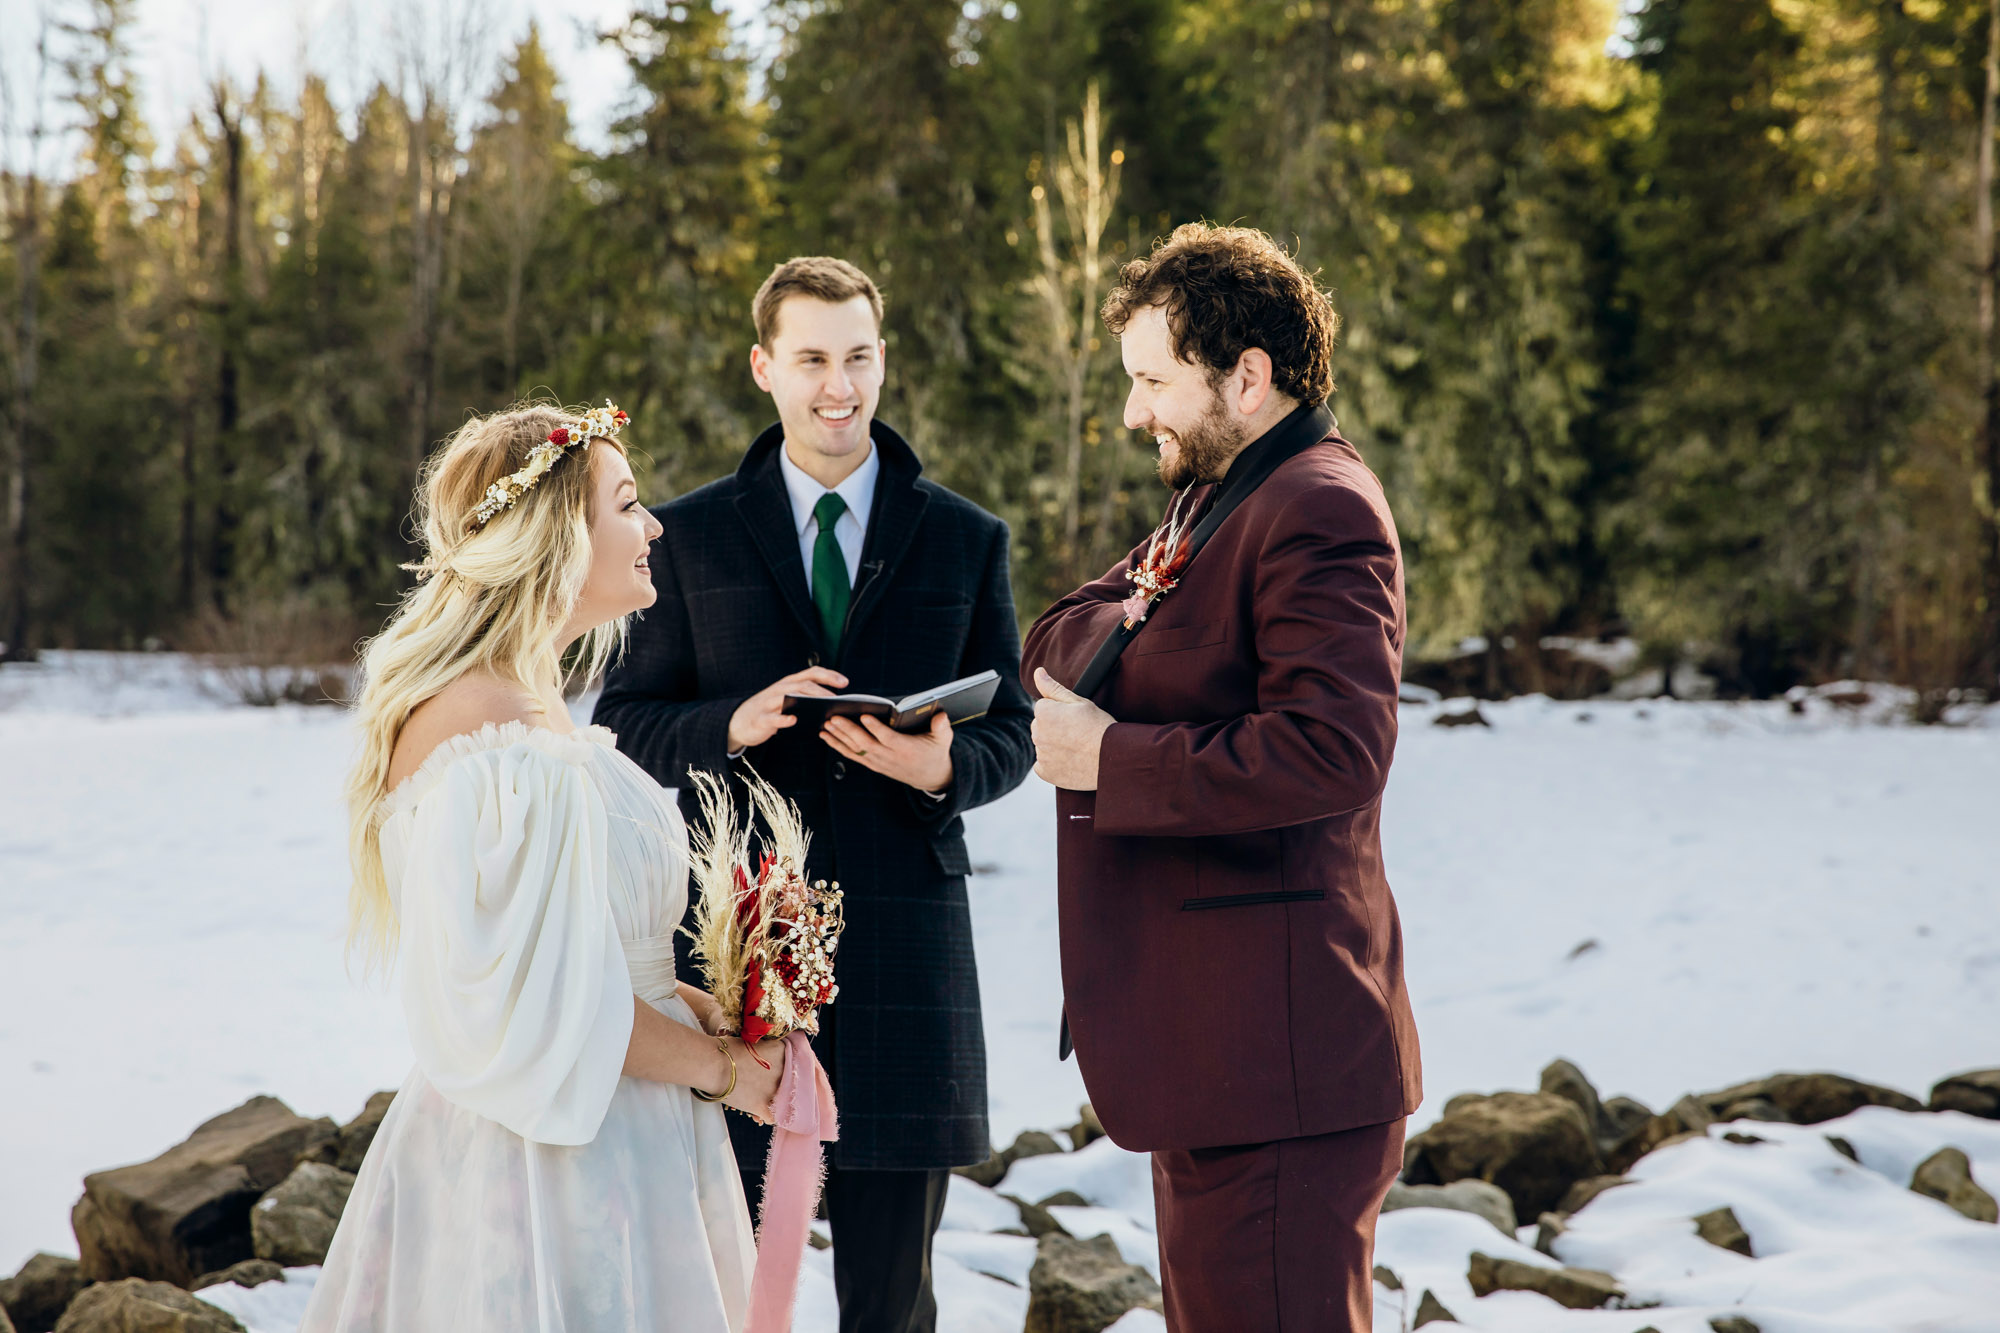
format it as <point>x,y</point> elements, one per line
<point>707,1010</point>
<point>756,1086</point>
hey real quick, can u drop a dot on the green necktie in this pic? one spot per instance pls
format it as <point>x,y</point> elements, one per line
<point>830,587</point>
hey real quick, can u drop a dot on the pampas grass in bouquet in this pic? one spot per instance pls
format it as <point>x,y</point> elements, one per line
<point>764,937</point>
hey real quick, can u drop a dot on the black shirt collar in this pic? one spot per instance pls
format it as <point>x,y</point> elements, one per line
<point>1298,429</point>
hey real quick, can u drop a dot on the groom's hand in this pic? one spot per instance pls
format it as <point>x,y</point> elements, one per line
<point>921,760</point>
<point>1067,731</point>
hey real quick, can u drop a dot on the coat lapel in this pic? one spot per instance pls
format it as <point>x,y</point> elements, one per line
<point>766,511</point>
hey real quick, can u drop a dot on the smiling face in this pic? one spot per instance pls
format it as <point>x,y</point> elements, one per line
<point>621,536</point>
<point>1180,405</point>
<point>823,369</point>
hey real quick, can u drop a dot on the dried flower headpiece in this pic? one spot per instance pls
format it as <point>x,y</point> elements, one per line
<point>605,422</point>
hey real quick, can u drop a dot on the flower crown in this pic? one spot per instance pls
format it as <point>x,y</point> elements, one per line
<point>604,422</point>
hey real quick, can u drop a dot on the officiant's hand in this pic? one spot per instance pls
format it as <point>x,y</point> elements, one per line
<point>1067,731</point>
<point>763,714</point>
<point>921,760</point>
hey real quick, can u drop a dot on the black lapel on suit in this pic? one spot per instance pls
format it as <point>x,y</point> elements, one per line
<point>766,509</point>
<point>899,511</point>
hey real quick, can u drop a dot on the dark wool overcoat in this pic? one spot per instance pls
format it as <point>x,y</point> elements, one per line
<point>1231,958</point>
<point>932,602</point>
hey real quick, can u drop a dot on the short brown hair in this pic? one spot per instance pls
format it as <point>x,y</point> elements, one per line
<point>1226,290</point>
<point>819,276</point>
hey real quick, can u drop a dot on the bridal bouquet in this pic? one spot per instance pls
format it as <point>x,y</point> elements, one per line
<point>765,939</point>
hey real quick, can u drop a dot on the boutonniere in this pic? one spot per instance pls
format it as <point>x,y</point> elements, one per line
<point>1159,570</point>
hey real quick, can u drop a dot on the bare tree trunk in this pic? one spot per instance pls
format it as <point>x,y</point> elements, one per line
<point>1989,378</point>
<point>228,391</point>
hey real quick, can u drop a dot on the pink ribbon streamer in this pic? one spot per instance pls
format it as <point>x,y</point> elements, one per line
<point>803,1117</point>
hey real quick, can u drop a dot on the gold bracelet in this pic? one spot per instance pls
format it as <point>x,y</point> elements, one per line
<point>721,1044</point>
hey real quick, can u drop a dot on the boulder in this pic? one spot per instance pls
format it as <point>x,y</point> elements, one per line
<point>1686,1117</point>
<point>1809,1099</point>
<point>1946,1176</point>
<point>1387,1277</point>
<point>1063,1199</point>
<point>34,1298</point>
<point>1466,1196</point>
<point>1625,1114</point>
<point>1565,1080</point>
<point>6,1324</point>
<point>1036,1220</point>
<point>1732,1323</point>
<point>1088,1129</point>
<point>294,1223</point>
<point>1754,1108</point>
<point>135,1305</point>
<point>1533,1145</point>
<point>1579,1195</point>
<point>1028,1143</point>
<point>1571,1288</point>
<point>187,1212</point>
<point>1549,1230</point>
<point>1975,1093</point>
<point>1430,1310</point>
<point>358,1133</point>
<point>249,1273</point>
<point>1084,1286</point>
<point>1720,1228</point>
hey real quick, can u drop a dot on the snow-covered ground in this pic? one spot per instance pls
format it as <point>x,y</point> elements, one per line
<point>1674,896</point>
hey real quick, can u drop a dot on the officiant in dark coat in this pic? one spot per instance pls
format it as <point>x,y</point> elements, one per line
<point>828,564</point>
<point>1232,961</point>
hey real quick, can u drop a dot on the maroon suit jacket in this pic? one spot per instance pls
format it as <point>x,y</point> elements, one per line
<point>1232,960</point>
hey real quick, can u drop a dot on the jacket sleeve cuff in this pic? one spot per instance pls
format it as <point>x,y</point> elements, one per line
<point>1139,770</point>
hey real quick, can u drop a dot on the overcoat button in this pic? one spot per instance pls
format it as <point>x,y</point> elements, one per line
<point>839,769</point>
<point>812,659</point>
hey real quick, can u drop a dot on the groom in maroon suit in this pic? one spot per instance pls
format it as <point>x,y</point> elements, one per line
<point>1232,961</point>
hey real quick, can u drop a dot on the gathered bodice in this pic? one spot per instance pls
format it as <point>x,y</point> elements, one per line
<point>646,850</point>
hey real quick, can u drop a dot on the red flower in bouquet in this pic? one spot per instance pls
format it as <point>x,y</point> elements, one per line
<point>1158,571</point>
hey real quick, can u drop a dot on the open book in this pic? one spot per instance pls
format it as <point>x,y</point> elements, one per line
<point>961,700</point>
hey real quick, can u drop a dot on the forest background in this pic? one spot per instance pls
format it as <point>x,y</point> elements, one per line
<point>1672,320</point>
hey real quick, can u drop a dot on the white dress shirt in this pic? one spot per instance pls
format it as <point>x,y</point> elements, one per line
<point>851,528</point>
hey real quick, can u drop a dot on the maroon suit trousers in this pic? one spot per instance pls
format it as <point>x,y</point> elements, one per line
<point>1274,1237</point>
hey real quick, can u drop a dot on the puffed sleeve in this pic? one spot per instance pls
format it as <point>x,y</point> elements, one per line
<point>512,975</point>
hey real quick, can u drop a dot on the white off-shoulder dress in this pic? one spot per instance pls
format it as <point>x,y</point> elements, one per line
<point>520,1181</point>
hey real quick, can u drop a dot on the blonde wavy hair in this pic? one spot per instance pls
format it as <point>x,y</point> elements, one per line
<point>492,599</point>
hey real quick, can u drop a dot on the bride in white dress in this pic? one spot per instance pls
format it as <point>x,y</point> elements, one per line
<point>557,1160</point>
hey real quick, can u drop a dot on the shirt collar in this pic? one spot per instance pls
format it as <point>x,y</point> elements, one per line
<point>858,490</point>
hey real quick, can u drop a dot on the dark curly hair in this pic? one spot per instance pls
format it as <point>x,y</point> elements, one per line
<point>1226,290</point>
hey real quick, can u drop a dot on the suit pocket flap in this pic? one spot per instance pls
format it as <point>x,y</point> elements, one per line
<point>1253,899</point>
<point>1179,638</point>
<point>951,856</point>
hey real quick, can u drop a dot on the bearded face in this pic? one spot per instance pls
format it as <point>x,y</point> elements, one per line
<point>1202,449</point>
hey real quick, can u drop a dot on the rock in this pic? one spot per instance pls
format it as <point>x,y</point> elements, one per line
<point>1720,1228</point>
<point>1084,1286</point>
<point>1088,1129</point>
<point>1743,1140</point>
<point>358,1133</point>
<point>1388,1278</point>
<point>1694,1116</point>
<point>249,1273</point>
<point>1624,1114</point>
<point>1755,1108</point>
<point>1946,1176</point>
<point>817,1241</point>
<point>1028,1143</point>
<point>6,1324</point>
<point>1565,1080</point>
<point>187,1212</point>
<point>1533,1145</point>
<point>35,1297</point>
<point>294,1223</point>
<point>1430,1310</point>
<point>1843,1147</point>
<point>1734,1323</point>
<point>1470,717</point>
<point>1063,1199</point>
<point>1579,1195</point>
<point>135,1305</point>
<point>1036,1220</point>
<point>1571,1288</point>
<point>1975,1093</point>
<point>1809,1099</point>
<point>1684,1118</point>
<point>1464,1100</point>
<point>1465,1196</point>
<point>1548,1231</point>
